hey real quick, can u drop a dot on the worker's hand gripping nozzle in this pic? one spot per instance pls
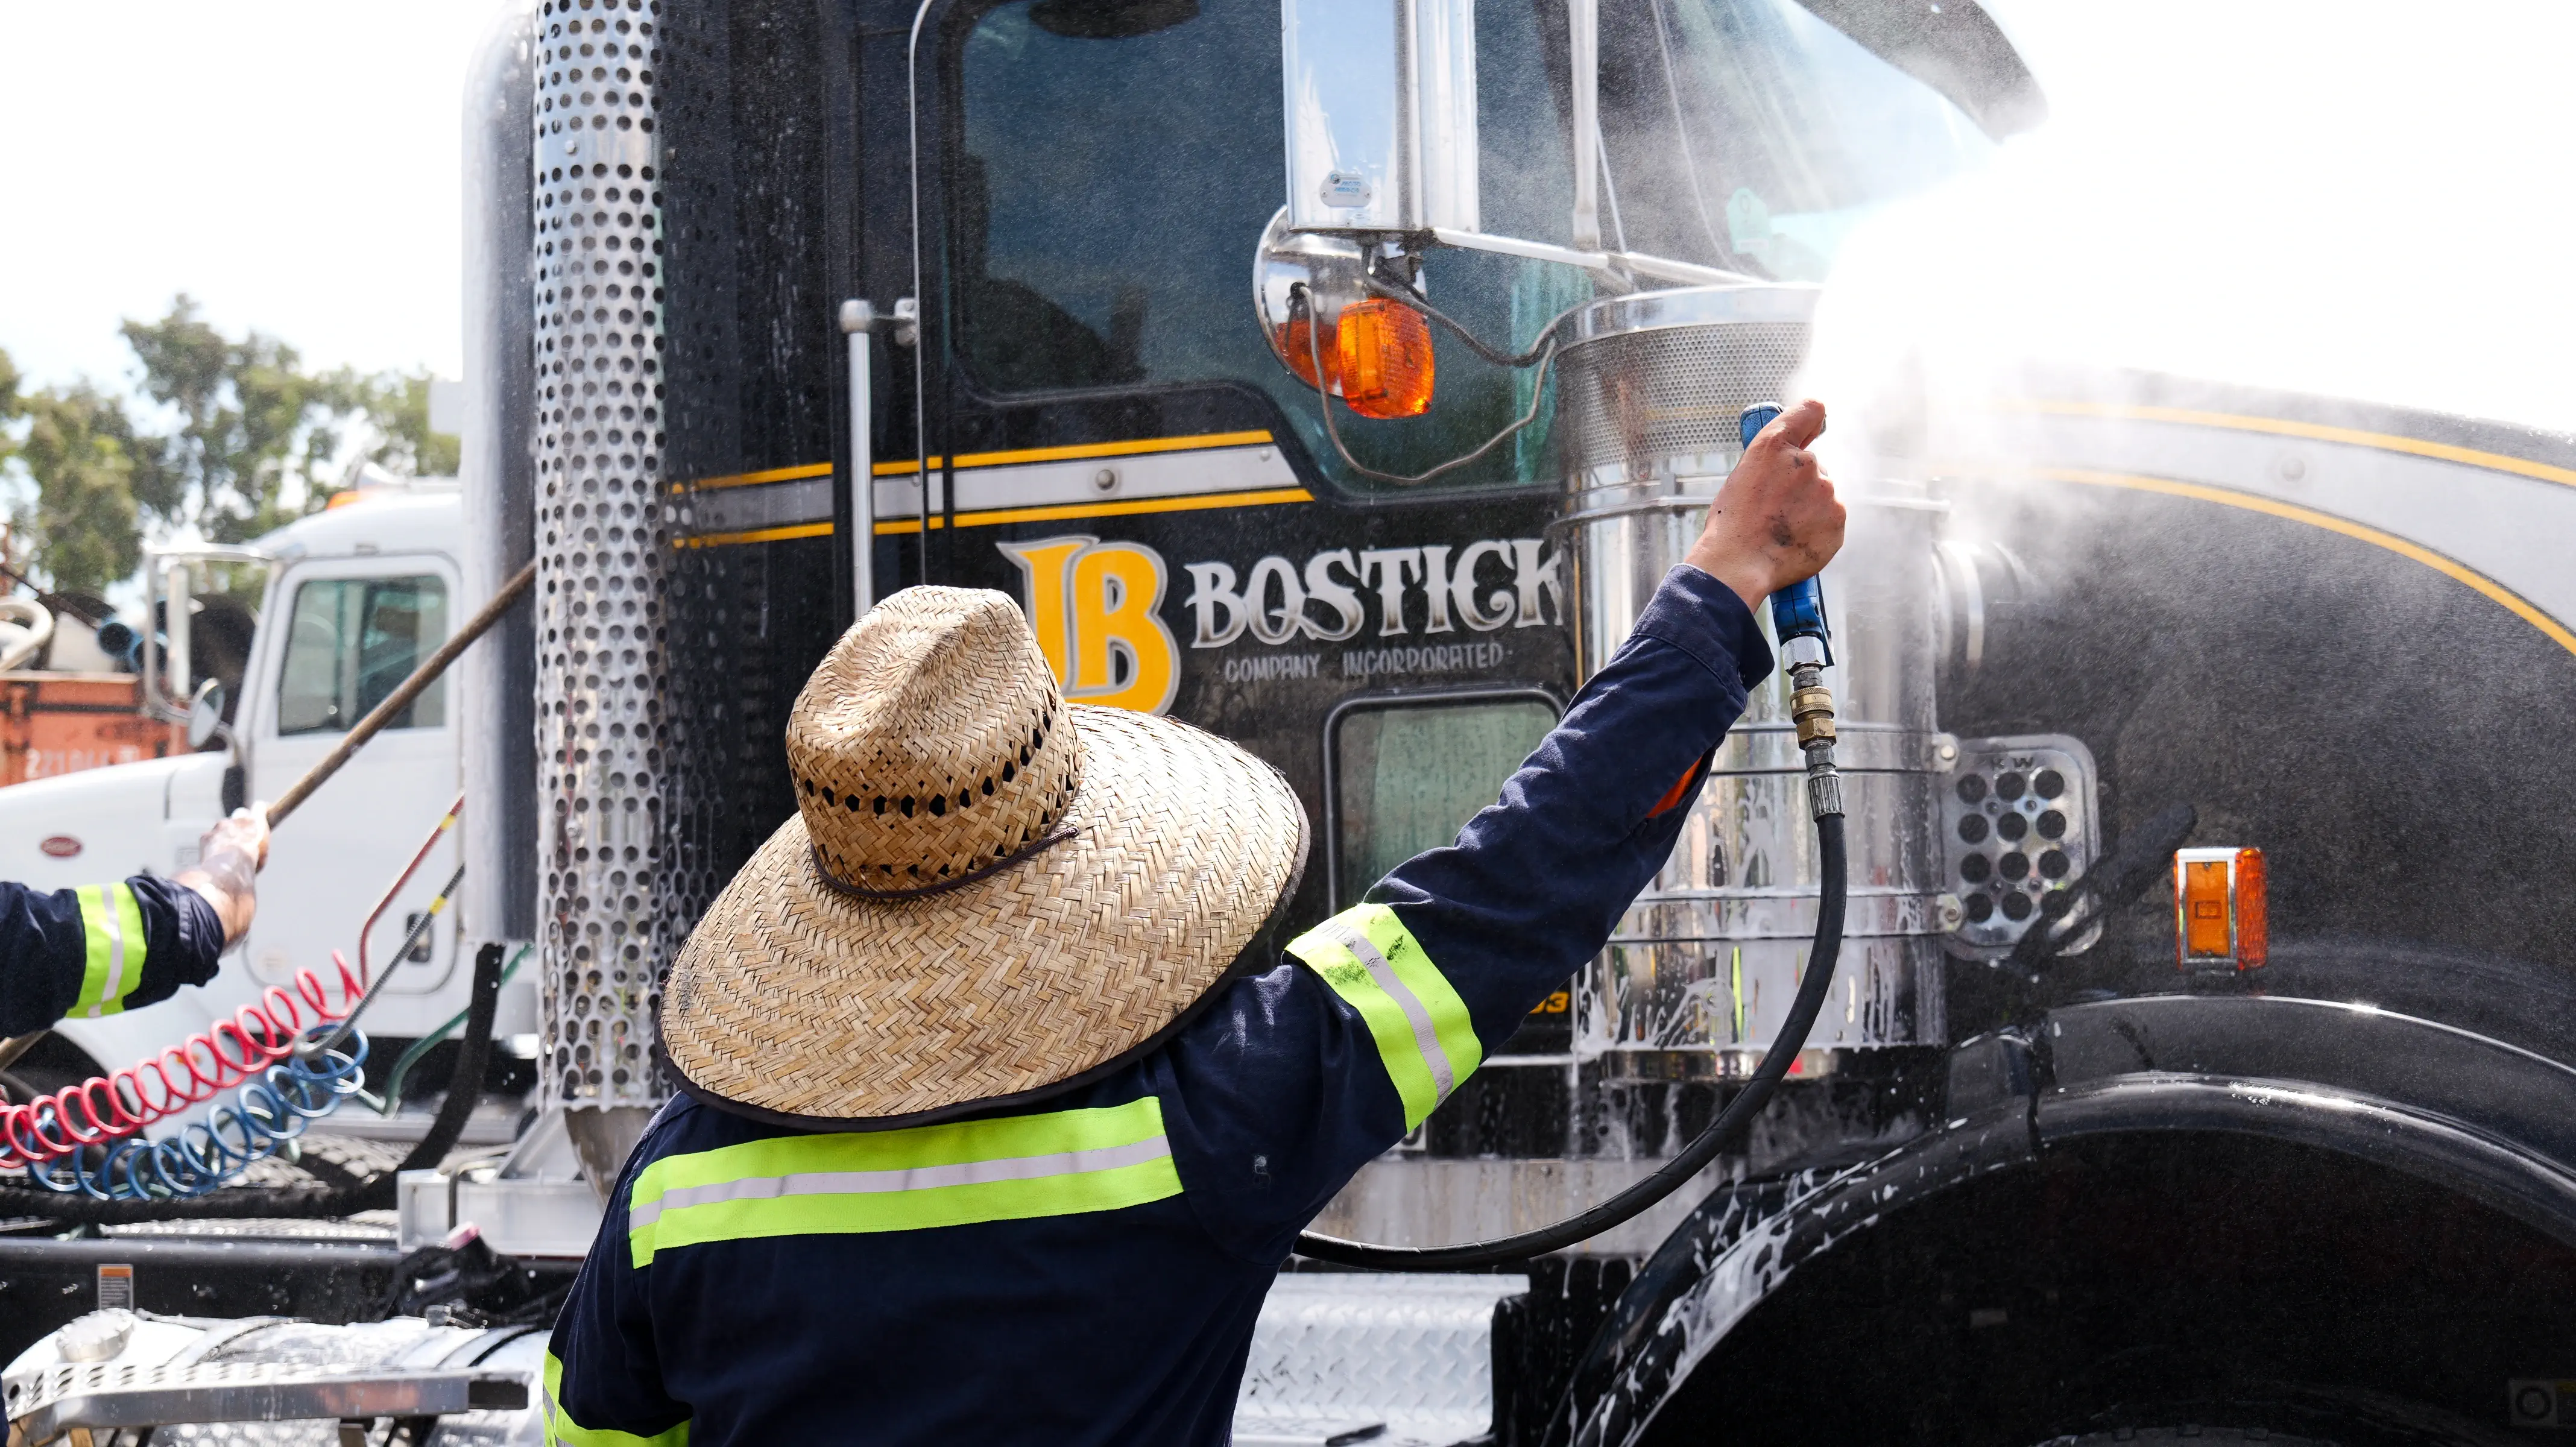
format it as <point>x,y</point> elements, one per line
<point>1806,647</point>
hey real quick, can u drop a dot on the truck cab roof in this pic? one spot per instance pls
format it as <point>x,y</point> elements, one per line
<point>413,515</point>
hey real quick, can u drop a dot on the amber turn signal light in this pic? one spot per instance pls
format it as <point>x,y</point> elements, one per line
<point>1295,343</point>
<point>1384,348</point>
<point>2219,910</point>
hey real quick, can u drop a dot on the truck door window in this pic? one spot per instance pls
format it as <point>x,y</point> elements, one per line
<point>1408,775</point>
<point>350,642</point>
<point>1115,178</point>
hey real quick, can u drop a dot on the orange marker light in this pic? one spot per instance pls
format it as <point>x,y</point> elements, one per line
<point>1384,349</point>
<point>2220,922</point>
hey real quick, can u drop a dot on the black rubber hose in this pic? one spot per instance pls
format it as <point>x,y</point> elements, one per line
<point>2116,879</point>
<point>1673,1174</point>
<point>373,1193</point>
<point>1397,287</point>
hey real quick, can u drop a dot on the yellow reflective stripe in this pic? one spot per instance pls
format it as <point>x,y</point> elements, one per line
<point>129,916</point>
<point>562,1429</point>
<point>1421,1027</point>
<point>112,960</point>
<point>844,1183</point>
<point>98,926</point>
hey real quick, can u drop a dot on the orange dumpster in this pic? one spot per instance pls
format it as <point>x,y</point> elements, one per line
<point>62,723</point>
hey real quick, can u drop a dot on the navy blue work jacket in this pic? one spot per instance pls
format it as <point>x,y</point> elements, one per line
<point>1087,1270</point>
<point>101,949</point>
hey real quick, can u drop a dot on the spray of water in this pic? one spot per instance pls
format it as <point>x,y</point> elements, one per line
<point>2329,214</point>
<point>2343,200</point>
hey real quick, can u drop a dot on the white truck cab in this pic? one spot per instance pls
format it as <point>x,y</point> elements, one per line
<point>356,597</point>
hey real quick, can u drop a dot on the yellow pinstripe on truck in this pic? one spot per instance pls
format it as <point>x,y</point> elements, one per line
<point>1420,1025</point>
<point>1061,1163</point>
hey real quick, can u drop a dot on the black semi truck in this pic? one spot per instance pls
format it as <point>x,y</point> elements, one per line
<point>2198,1059</point>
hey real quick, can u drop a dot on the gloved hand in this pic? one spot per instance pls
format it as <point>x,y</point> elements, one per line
<point>1776,520</point>
<point>229,857</point>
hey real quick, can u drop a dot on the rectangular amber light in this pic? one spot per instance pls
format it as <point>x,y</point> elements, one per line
<point>2220,920</point>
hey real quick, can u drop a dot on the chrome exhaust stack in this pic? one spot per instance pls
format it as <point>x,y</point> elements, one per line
<point>603,549</point>
<point>497,476</point>
<point>1703,966</point>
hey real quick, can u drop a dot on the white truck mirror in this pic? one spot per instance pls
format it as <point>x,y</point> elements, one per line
<point>169,598</point>
<point>206,714</point>
<point>176,664</point>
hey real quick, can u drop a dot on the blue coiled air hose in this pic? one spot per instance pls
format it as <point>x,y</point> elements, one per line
<point>266,1114</point>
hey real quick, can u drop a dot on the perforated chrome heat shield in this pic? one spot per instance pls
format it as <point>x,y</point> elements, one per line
<point>603,551</point>
<point>1664,400</point>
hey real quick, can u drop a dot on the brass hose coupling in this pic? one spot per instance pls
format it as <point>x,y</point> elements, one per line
<point>1811,707</point>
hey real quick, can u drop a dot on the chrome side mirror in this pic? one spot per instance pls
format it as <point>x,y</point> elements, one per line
<point>1381,114</point>
<point>206,715</point>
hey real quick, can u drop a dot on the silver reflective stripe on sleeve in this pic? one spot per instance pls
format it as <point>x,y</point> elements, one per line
<point>112,918</point>
<point>1426,1035</point>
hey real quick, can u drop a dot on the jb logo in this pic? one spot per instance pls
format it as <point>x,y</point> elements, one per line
<point>1096,609</point>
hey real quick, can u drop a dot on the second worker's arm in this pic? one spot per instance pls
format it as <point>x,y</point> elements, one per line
<point>102,949</point>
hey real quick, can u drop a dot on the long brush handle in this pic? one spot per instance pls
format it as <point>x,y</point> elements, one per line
<point>368,727</point>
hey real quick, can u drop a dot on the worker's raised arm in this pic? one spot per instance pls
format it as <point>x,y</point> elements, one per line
<point>1535,883</point>
<point>102,949</point>
<point>1301,1075</point>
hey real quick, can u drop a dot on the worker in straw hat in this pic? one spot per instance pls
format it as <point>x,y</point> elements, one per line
<point>1002,1105</point>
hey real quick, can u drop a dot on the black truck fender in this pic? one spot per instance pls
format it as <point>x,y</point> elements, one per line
<point>2491,1121</point>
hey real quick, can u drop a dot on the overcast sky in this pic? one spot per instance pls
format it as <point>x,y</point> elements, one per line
<point>2366,197</point>
<point>290,163</point>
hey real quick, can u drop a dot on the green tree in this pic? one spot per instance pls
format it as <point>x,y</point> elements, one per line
<point>10,410</point>
<point>250,422</point>
<point>80,449</point>
<point>397,407</point>
<point>256,442</point>
<point>78,525</point>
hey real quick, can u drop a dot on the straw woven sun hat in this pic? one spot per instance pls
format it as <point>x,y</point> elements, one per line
<point>987,895</point>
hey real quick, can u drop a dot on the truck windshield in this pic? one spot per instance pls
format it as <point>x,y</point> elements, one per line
<point>1751,135</point>
<point>1116,163</point>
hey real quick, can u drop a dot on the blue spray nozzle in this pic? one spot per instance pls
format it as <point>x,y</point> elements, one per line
<point>1755,418</point>
<point>1797,611</point>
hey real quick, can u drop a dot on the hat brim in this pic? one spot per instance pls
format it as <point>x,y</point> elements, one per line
<point>798,1003</point>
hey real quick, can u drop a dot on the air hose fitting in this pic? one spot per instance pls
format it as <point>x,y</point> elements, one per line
<point>1811,708</point>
